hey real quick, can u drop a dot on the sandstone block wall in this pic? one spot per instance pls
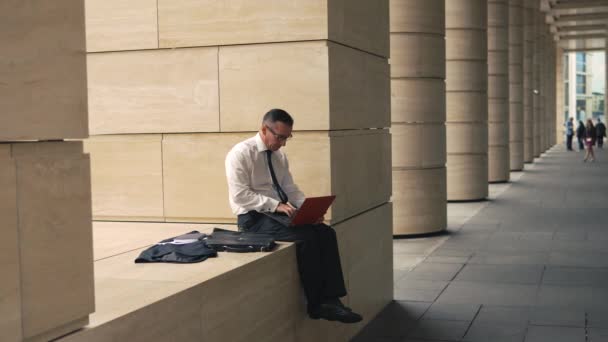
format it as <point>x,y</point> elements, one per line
<point>173,85</point>
<point>45,203</point>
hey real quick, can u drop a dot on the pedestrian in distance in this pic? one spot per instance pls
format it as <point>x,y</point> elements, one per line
<point>590,136</point>
<point>600,129</point>
<point>580,135</point>
<point>569,133</point>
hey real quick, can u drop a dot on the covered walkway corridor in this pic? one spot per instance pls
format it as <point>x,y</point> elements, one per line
<point>530,264</point>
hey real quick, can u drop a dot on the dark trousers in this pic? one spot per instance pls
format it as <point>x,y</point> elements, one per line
<point>569,142</point>
<point>580,143</point>
<point>316,251</point>
<point>600,142</point>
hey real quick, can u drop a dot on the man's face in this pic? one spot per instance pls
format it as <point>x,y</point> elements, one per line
<point>275,135</point>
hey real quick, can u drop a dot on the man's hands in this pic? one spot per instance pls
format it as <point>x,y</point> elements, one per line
<point>287,209</point>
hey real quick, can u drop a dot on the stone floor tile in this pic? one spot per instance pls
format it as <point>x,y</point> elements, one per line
<point>503,314</point>
<point>447,259</point>
<point>452,312</point>
<point>578,276</point>
<point>463,292</point>
<point>510,258</point>
<point>396,320</point>
<point>572,296</point>
<point>418,289</point>
<point>555,334</point>
<point>574,236</point>
<point>581,259</point>
<point>406,262</point>
<point>597,317</point>
<point>597,335</point>
<point>417,294</point>
<point>439,330</point>
<point>433,271</point>
<point>564,316</point>
<point>518,274</point>
<point>495,332</point>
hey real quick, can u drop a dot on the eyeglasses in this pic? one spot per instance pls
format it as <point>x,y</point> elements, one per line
<point>279,137</point>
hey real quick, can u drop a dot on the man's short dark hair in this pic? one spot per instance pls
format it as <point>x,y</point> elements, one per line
<point>276,114</point>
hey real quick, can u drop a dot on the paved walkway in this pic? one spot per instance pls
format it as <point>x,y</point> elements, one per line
<point>530,264</point>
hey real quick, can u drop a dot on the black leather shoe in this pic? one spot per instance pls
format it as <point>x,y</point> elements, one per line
<point>333,312</point>
<point>338,302</point>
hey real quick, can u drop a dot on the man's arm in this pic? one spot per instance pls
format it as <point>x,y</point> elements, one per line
<point>239,187</point>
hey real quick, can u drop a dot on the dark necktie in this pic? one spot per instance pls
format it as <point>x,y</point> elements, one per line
<point>275,183</point>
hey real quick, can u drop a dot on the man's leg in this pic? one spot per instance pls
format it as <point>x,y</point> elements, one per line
<point>318,263</point>
<point>569,142</point>
<point>600,142</point>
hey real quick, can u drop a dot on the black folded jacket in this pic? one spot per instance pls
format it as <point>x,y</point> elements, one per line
<point>175,250</point>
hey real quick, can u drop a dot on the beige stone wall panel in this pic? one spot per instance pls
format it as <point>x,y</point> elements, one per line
<point>114,25</point>
<point>466,44</point>
<point>10,286</point>
<point>255,296</point>
<point>468,14</point>
<point>418,145</point>
<point>466,106</point>
<point>360,24</point>
<point>414,55</point>
<point>359,89</point>
<point>419,201</point>
<point>43,70</point>
<point>498,86</point>
<point>370,275</point>
<point>470,137</point>
<point>321,163</point>
<point>417,16</point>
<point>195,176</point>
<point>468,177</point>
<point>54,201</point>
<point>416,100</point>
<point>466,76</point>
<point>154,91</point>
<point>498,164</point>
<point>126,177</point>
<point>341,88</point>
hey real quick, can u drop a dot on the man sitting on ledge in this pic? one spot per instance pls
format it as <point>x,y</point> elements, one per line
<point>259,182</point>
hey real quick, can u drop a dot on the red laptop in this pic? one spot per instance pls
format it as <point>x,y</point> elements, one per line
<point>309,212</point>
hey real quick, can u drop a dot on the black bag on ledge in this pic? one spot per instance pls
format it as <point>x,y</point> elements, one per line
<point>223,240</point>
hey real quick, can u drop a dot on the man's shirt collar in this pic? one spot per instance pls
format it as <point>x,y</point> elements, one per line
<point>260,143</point>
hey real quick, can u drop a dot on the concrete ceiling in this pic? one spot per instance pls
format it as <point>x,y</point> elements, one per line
<point>578,24</point>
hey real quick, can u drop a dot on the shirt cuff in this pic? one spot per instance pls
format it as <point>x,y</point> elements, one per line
<point>272,205</point>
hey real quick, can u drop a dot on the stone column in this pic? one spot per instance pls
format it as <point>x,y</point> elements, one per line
<point>536,100</point>
<point>466,99</point>
<point>559,96</point>
<point>516,106</point>
<point>418,116</point>
<point>498,91</point>
<point>527,84</point>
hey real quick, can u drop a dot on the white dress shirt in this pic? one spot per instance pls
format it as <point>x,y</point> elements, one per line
<point>249,180</point>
